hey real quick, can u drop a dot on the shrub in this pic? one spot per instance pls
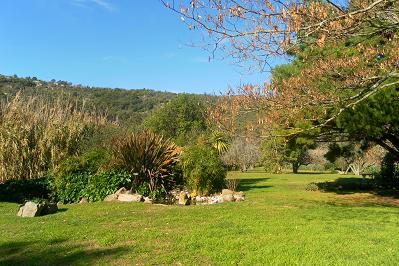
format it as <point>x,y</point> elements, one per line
<point>241,154</point>
<point>36,135</point>
<point>21,190</point>
<point>232,184</point>
<point>389,175</point>
<point>83,176</point>
<point>312,187</point>
<point>149,158</point>
<point>102,184</point>
<point>203,169</point>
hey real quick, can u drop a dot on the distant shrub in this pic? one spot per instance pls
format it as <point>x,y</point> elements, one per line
<point>21,190</point>
<point>149,158</point>
<point>203,169</point>
<point>329,167</point>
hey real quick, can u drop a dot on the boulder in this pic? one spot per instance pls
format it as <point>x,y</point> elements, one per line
<point>130,197</point>
<point>147,200</point>
<point>228,198</point>
<point>240,193</point>
<point>184,198</point>
<point>122,190</point>
<point>201,200</point>
<point>32,209</point>
<point>227,192</point>
<point>83,200</point>
<point>214,200</point>
<point>111,197</point>
<point>238,198</point>
<point>49,208</point>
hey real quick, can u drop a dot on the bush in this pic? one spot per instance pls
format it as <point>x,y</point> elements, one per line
<point>389,175</point>
<point>149,158</point>
<point>203,170</point>
<point>312,187</point>
<point>22,190</point>
<point>232,184</point>
<point>83,176</point>
<point>102,184</point>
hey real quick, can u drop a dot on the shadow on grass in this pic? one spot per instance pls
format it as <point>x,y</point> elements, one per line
<point>352,185</point>
<point>311,173</point>
<point>247,184</point>
<point>55,252</point>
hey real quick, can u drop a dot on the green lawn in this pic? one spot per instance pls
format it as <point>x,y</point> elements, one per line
<point>280,223</point>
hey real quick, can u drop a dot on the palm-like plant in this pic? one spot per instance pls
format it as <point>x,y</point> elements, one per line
<point>219,142</point>
<point>148,157</point>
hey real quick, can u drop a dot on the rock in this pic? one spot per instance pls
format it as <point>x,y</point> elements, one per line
<point>240,193</point>
<point>184,198</point>
<point>111,197</point>
<point>228,198</point>
<point>147,200</point>
<point>227,192</point>
<point>30,209</point>
<point>122,190</point>
<point>49,208</point>
<point>238,198</point>
<point>83,200</point>
<point>130,197</point>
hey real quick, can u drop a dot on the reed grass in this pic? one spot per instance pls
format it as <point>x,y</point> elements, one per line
<point>36,134</point>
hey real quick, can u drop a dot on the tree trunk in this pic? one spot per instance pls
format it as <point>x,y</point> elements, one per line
<point>295,167</point>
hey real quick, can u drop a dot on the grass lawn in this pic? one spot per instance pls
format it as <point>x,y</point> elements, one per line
<point>280,223</point>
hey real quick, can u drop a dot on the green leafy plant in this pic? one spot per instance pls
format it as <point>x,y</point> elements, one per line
<point>149,158</point>
<point>83,176</point>
<point>102,184</point>
<point>203,169</point>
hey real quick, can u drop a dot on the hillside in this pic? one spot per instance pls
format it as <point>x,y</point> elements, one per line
<point>130,107</point>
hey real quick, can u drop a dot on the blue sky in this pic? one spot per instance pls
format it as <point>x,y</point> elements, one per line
<point>130,44</point>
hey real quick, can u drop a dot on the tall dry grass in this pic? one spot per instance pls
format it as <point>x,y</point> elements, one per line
<point>36,134</point>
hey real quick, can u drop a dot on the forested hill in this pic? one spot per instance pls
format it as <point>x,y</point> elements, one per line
<point>129,106</point>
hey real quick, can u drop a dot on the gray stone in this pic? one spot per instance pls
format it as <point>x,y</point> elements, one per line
<point>111,197</point>
<point>130,197</point>
<point>30,209</point>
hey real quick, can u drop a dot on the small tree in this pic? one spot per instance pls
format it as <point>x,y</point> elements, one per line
<point>242,154</point>
<point>273,154</point>
<point>183,119</point>
<point>296,152</point>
